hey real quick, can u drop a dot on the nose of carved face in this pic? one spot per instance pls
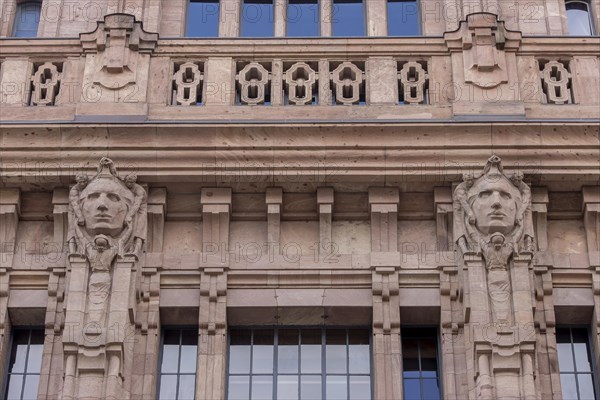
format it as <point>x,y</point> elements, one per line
<point>104,213</point>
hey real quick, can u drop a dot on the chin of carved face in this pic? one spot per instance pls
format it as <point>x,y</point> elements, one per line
<point>495,209</point>
<point>104,212</point>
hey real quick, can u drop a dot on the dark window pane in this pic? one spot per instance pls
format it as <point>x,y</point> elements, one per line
<point>431,390</point>
<point>257,18</point>
<point>239,388</point>
<point>27,19</point>
<point>287,387</point>
<point>189,337</point>
<point>240,337</point>
<point>171,336</point>
<point>569,388</point>
<point>303,18</point>
<point>412,389</point>
<point>578,18</point>
<point>262,387</point>
<point>187,385</point>
<point>360,387</point>
<point>403,18</point>
<point>586,387</point>
<point>263,337</point>
<point>359,336</point>
<point>310,388</point>
<point>410,357</point>
<point>348,18</point>
<point>563,335</point>
<point>168,387</point>
<point>37,336</point>
<point>311,336</point>
<point>203,19</point>
<point>337,388</point>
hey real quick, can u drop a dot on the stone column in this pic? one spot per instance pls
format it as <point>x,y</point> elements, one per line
<point>326,15</point>
<point>274,199</point>
<point>383,203</point>
<point>325,198</point>
<point>230,18</point>
<point>157,209</point>
<point>539,208</point>
<point>442,198</point>
<point>377,23</point>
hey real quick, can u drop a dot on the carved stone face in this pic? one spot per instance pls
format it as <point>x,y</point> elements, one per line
<point>495,207</point>
<point>104,207</point>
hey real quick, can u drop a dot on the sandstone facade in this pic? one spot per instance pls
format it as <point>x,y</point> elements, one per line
<point>449,181</point>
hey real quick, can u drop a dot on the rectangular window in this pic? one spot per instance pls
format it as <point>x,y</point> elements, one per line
<point>27,19</point>
<point>202,18</point>
<point>297,364</point>
<point>403,18</point>
<point>257,18</point>
<point>348,18</point>
<point>575,364</point>
<point>179,352</point>
<point>421,377</point>
<point>303,18</point>
<point>24,364</point>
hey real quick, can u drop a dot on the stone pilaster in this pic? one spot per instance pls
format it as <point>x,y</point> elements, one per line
<point>591,222</point>
<point>274,200</point>
<point>157,209</point>
<point>15,84</point>
<point>10,203</point>
<point>442,198</point>
<point>325,197</point>
<point>539,208</point>
<point>385,266</point>
<point>383,204</point>
<point>212,349</point>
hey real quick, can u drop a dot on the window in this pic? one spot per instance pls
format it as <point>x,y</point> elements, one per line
<point>579,18</point>
<point>303,18</point>
<point>403,18</point>
<point>257,18</point>
<point>421,378</point>
<point>24,365</point>
<point>294,364</point>
<point>179,351</point>
<point>202,18</point>
<point>27,19</point>
<point>348,18</point>
<point>575,364</point>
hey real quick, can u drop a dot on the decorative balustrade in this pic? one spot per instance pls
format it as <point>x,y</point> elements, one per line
<point>556,82</point>
<point>386,79</point>
<point>45,83</point>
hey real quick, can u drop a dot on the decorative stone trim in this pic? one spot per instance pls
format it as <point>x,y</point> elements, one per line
<point>556,82</point>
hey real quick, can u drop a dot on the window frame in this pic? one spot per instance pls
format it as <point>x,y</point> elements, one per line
<point>438,349</point>
<point>592,350</point>
<point>419,18</point>
<point>25,374</point>
<point>272,20</point>
<point>590,14</point>
<point>19,5</point>
<point>179,328</point>
<point>299,328</point>
<point>318,22</point>
<point>365,32</point>
<point>187,15</point>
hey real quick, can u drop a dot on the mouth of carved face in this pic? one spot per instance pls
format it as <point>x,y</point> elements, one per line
<point>497,215</point>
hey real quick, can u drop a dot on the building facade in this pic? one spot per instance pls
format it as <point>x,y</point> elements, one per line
<point>311,199</point>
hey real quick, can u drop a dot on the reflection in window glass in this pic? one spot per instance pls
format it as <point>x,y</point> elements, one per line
<point>579,18</point>
<point>257,18</point>
<point>303,18</point>
<point>348,18</point>
<point>179,352</point>
<point>202,18</point>
<point>420,364</point>
<point>403,18</point>
<point>304,364</point>
<point>27,19</point>
<point>575,364</point>
<point>25,363</point>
